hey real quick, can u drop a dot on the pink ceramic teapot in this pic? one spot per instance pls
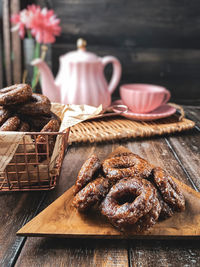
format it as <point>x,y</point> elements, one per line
<point>80,79</point>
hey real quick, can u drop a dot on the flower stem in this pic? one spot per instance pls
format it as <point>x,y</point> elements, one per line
<point>29,34</point>
<point>35,69</point>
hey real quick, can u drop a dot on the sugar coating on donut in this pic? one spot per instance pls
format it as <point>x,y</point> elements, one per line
<point>85,175</point>
<point>131,165</point>
<point>4,115</point>
<point>127,201</point>
<point>10,124</point>
<point>15,94</point>
<point>168,189</point>
<point>91,194</point>
<point>37,105</point>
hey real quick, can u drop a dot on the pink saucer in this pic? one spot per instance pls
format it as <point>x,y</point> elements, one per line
<point>161,112</point>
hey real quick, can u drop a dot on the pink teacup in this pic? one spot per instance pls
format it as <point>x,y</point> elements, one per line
<point>143,98</point>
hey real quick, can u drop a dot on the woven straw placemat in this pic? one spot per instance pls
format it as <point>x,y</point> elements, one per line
<point>115,128</point>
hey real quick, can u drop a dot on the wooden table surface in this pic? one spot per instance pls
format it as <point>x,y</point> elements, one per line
<point>179,154</point>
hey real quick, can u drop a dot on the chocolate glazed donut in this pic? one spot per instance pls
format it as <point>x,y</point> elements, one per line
<point>11,124</point>
<point>168,189</point>
<point>128,201</point>
<point>91,194</point>
<point>23,127</point>
<point>15,94</point>
<point>38,122</point>
<point>149,219</point>
<point>123,166</point>
<point>52,126</point>
<point>38,105</point>
<point>4,115</point>
<point>166,210</point>
<point>86,172</point>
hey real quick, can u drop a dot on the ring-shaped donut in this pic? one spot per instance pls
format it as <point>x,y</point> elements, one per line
<point>23,127</point>
<point>149,219</point>
<point>127,201</point>
<point>38,122</point>
<point>4,115</point>
<point>15,94</point>
<point>41,140</point>
<point>91,194</point>
<point>168,189</point>
<point>85,175</point>
<point>38,105</point>
<point>166,210</point>
<point>52,126</point>
<point>10,124</point>
<point>131,165</point>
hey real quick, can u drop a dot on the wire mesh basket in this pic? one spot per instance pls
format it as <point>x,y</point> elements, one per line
<point>31,167</point>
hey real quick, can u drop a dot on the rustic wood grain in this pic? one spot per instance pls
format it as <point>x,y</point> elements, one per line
<point>186,149</point>
<point>75,253</point>
<point>130,23</point>
<point>16,46</point>
<point>16,209</point>
<point>164,253</point>
<point>194,114</point>
<point>1,57</point>
<point>156,42</point>
<point>7,41</point>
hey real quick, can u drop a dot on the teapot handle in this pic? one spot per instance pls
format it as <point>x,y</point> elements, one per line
<point>117,70</point>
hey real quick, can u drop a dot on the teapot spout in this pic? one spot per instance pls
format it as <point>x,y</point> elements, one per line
<point>49,88</point>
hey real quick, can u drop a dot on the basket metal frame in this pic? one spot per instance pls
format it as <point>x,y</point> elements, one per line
<point>17,175</point>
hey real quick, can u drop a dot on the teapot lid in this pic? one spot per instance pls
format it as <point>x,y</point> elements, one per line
<point>80,55</point>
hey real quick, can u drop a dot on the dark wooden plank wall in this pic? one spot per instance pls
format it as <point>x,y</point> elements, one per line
<point>1,47</point>
<point>16,46</point>
<point>7,41</point>
<point>10,45</point>
<point>156,41</point>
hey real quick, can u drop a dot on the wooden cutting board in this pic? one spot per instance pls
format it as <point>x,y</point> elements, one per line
<point>60,219</point>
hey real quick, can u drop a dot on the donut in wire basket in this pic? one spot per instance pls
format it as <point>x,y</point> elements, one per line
<point>4,115</point>
<point>15,94</point>
<point>37,105</point>
<point>43,141</point>
<point>38,122</point>
<point>23,127</point>
<point>10,124</point>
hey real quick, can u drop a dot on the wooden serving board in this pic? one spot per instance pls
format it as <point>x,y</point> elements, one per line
<point>60,219</point>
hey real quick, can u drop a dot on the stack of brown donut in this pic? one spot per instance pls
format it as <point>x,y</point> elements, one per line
<point>22,110</point>
<point>129,191</point>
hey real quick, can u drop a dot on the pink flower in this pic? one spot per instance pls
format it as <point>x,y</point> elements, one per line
<point>45,26</point>
<point>22,20</point>
<point>43,23</point>
<point>33,8</point>
<point>15,19</point>
<point>26,16</point>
